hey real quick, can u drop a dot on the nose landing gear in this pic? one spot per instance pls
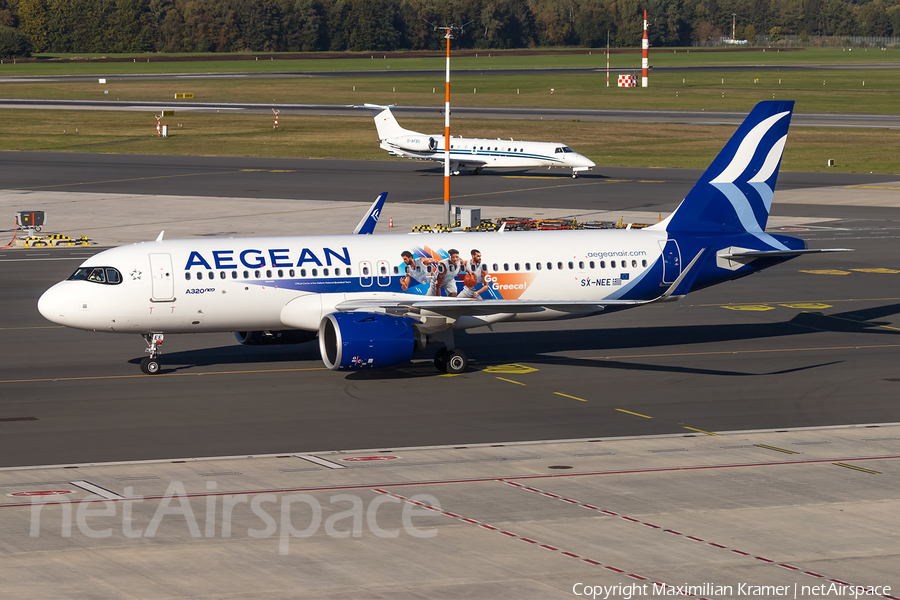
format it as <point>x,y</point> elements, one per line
<point>150,364</point>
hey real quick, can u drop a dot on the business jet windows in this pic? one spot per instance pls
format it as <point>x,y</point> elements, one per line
<point>107,275</point>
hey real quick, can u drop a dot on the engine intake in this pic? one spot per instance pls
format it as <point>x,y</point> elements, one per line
<point>358,340</point>
<point>274,338</point>
<point>416,143</point>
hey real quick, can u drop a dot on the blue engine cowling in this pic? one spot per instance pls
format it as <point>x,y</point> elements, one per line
<point>358,340</point>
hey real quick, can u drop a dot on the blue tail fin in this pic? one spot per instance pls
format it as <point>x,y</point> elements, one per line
<point>735,193</point>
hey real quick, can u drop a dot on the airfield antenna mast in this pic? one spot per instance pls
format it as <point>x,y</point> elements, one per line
<point>645,59</point>
<point>448,35</point>
<point>607,58</point>
<point>733,22</point>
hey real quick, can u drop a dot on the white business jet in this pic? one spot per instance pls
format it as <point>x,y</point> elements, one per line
<point>473,154</point>
<point>373,301</point>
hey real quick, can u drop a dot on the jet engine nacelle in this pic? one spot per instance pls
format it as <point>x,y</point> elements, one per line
<point>416,143</point>
<point>273,338</point>
<point>359,340</point>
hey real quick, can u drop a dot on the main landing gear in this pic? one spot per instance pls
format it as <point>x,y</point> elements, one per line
<point>150,364</point>
<point>452,362</point>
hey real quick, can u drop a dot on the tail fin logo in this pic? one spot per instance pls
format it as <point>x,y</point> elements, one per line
<point>743,158</point>
<point>735,193</point>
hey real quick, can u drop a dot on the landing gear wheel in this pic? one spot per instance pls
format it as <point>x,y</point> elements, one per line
<point>440,360</point>
<point>455,362</point>
<point>150,366</point>
<point>574,175</point>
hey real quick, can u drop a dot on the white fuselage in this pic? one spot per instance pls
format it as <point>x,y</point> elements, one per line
<point>181,286</point>
<point>478,153</point>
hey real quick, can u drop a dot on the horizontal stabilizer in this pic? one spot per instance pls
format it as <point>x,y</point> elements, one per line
<point>777,253</point>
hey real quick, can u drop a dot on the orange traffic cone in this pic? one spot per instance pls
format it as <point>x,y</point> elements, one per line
<point>390,222</point>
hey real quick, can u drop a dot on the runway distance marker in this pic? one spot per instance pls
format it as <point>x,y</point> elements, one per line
<point>501,379</point>
<point>755,307</point>
<point>775,449</point>
<point>858,468</point>
<point>807,305</point>
<point>633,413</point>
<point>510,369</point>
<point>702,431</point>
<point>568,396</point>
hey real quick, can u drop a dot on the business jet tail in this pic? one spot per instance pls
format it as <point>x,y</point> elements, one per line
<point>386,124</point>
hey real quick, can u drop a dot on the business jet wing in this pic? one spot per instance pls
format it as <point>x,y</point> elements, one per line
<point>370,219</point>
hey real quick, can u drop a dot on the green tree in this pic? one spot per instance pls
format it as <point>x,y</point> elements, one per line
<point>33,14</point>
<point>775,33</point>
<point>14,43</point>
<point>750,33</point>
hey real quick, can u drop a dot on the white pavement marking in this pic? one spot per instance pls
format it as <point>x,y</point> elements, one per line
<point>321,461</point>
<point>96,489</point>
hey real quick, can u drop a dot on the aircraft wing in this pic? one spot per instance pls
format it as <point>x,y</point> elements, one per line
<point>455,308</point>
<point>459,307</point>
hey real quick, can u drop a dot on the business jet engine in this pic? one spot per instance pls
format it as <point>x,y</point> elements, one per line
<point>358,340</point>
<point>274,338</point>
<point>416,143</point>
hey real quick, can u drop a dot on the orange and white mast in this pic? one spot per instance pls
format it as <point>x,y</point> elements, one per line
<point>645,58</point>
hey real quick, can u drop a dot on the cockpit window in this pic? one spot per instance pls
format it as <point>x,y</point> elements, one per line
<point>107,275</point>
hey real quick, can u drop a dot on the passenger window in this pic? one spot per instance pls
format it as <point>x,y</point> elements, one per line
<point>527,266</point>
<point>315,272</point>
<point>199,276</point>
<point>256,273</point>
<point>537,266</point>
<point>337,271</point>
<point>302,272</point>
<point>268,273</point>
<point>222,275</point>
<point>234,274</point>
<point>592,264</point>
<point>396,270</point>
<point>506,266</point>
<point>644,263</point>
<point>365,271</point>
<point>187,276</point>
<point>602,264</point>
<point>325,272</point>
<point>634,263</point>
<point>581,264</point>
<point>291,273</point>
<point>571,265</point>
<point>495,269</point>
<point>383,270</point>
<point>280,273</point>
<point>559,266</point>
<point>349,272</point>
<point>516,266</point>
<point>210,275</point>
<point>549,266</point>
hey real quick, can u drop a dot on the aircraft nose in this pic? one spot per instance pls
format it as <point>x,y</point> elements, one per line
<point>52,304</point>
<point>584,161</point>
